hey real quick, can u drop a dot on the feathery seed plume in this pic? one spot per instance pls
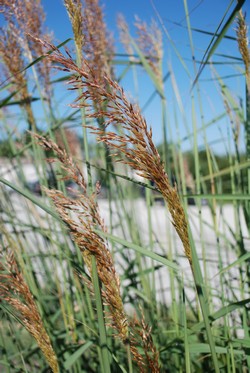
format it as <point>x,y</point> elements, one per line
<point>242,37</point>
<point>135,143</point>
<point>13,65</point>
<point>97,45</point>
<point>74,9</point>
<point>150,43</point>
<point>15,292</point>
<point>143,330</point>
<point>124,35</point>
<point>28,18</point>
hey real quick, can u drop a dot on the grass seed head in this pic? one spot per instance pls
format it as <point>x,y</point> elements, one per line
<point>243,42</point>
<point>135,142</point>
<point>150,42</point>
<point>13,63</point>
<point>28,17</point>
<point>15,291</point>
<point>74,9</point>
<point>124,36</point>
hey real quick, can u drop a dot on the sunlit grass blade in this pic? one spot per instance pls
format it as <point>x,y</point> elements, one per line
<point>216,40</point>
<point>221,313</point>
<point>140,250</point>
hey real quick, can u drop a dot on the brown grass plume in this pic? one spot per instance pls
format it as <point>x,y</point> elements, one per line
<point>135,143</point>
<point>15,292</point>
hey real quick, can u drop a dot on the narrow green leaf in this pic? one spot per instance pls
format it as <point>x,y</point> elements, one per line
<point>122,176</point>
<point>227,170</point>
<point>221,313</point>
<point>201,291</point>
<point>6,100</point>
<point>219,197</point>
<point>243,343</point>
<point>213,34</point>
<point>21,102</point>
<point>76,355</point>
<point>139,249</point>
<point>203,348</point>
<point>215,41</point>
<point>31,197</point>
<point>210,123</point>
<point>238,262</point>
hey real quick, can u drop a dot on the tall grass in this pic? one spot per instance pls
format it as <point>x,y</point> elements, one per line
<point>109,268</point>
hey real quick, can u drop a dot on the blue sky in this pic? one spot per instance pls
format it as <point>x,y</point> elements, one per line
<point>204,15</point>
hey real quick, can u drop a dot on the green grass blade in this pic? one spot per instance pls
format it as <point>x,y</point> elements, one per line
<point>31,197</point>
<point>202,295</point>
<point>227,170</point>
<point>238,262</point>
<point>214,43</point>
<point>139,249</point>
<point>203,348</point>
<point>219,197</point>
<point>221,313</point>
<point>101,323</point>
<point>76,355</point>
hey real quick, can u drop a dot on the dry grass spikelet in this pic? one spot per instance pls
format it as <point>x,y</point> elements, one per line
<point>74,9</point>
<point>97,41</point>
<point>124,35</point>
<point>137,145</point>
<point>15,292</point>
<point>150,362</point>
<point>150,43</point>
<point>11,54</point>
<point>91,35</point>
<point>28,17</point>
<point>242,38</point>
<point>12,60</point>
